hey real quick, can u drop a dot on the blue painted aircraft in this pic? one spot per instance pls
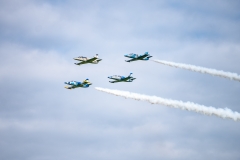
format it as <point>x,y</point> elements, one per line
<point>136,57</point>
<point>117,78</point>
<point>84,60</point>
<point>75,84</point>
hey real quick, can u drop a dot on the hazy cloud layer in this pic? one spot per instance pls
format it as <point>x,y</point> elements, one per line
<point>40,119</point>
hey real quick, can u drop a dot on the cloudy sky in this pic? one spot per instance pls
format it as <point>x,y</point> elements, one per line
<point>41,120</point>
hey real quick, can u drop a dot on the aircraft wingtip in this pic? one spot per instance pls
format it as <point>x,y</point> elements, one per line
<point>67,87</point>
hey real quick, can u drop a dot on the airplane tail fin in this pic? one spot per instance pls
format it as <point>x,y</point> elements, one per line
<point>96,56</point>
<point>130,74</point>
<point>146,53</point>
<point>86,81</point>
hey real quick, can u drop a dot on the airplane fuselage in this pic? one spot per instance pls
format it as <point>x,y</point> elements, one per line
<point>118,78</point>
<point>81,58</point>
<point>84,60</point>
<point>136,57</point>
<point>75,84</point>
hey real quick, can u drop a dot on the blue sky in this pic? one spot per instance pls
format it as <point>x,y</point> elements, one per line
<point>40,119</point>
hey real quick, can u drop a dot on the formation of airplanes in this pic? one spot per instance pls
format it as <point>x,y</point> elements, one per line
<point>114,78</point>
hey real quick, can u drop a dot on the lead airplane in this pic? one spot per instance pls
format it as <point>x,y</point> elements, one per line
<point>75,84</point>
<point>136,57</point>
<point>85,60</point>
<point>118,78</point>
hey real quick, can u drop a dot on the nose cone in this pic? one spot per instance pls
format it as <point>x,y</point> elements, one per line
<point>66,82</point>
<point>109,77</point>
<point>126,55</point>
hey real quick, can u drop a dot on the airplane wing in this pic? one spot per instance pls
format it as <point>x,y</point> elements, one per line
<point>115,81</point>
<point>71,87</point>
<point>138,58</point>
<point>96,61</point>
<point>130,60</point>
<point>91,60</point>
<point>142,56</point>
<point>83,62</point>
<point>127,79</point>
<point>130,79</point>
<point>87,61</point>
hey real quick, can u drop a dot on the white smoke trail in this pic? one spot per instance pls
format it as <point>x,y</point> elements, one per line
<point>214,72</point>
<point>190,106</point>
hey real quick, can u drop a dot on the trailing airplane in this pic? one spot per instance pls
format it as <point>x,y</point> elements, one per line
<point>136,57</point>
<point>117,78</point>
<point>75,84</point>
<point>85,60</point>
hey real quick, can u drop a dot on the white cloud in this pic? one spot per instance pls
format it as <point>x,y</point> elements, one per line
<point>42,120</point>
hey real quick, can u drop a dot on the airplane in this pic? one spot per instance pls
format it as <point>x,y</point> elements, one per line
<point>117,78</point>
<point>75,84</point>
<point>136,57</point>
<point>85,60</point>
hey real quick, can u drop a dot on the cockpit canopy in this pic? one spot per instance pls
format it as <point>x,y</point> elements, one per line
<point>131,55</point>
<point>82,57</point>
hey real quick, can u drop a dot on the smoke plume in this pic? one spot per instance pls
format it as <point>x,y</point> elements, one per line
<point>213,72</point>
<point>190,106</point>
